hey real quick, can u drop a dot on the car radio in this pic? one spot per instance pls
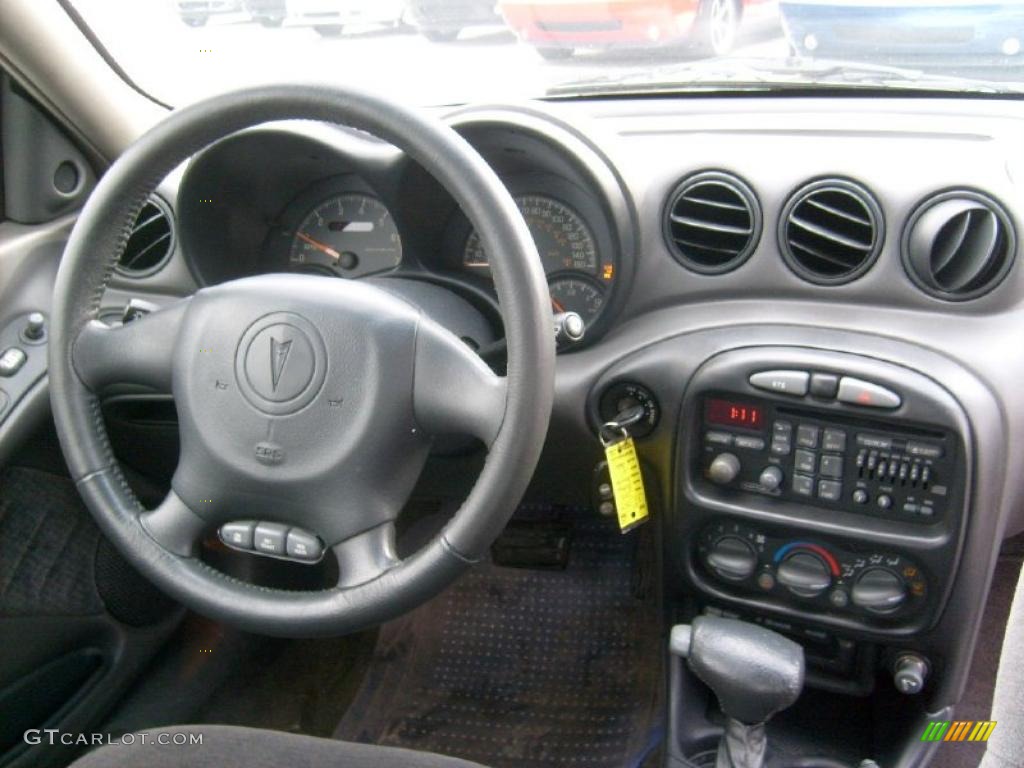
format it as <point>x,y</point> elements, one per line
<point>784,451</point>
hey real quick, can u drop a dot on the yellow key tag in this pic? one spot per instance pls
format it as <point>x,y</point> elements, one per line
<point>627,483</point>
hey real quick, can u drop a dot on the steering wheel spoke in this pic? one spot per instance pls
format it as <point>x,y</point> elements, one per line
<point>454,391</point>
<point>137,353</point>
<point>365,556</point>
<point>174,526</point>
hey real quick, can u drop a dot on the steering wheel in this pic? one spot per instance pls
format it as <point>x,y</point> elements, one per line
<point>303,402</point>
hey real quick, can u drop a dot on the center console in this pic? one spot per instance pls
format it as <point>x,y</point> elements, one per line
<point>821,494</point>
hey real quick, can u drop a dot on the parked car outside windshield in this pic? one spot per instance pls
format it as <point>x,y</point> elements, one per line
<point>436,52</point>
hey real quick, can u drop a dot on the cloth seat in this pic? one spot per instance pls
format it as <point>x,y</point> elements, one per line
<point>228,746</point>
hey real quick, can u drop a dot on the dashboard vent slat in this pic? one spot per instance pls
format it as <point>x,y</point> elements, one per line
<point>831,231</point>
<point>959,245</point>
<point>712,222</point>
<point>151,240</point>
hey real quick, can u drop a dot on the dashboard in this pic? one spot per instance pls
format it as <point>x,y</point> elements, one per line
<point>342,206</point>
<point>816,302</point>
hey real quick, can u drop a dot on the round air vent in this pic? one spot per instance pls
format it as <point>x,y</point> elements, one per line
<point>150,242</point>
<point>712,222</point>
<point>959,245</point>
<point>831,231</point>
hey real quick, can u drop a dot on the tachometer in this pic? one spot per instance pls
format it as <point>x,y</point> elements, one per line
<point>563,238</point>
<point>351,234</point>
<point>579,295</point>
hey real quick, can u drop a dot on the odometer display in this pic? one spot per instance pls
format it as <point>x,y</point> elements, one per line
<point>351,234</point>
<point>563,239</point>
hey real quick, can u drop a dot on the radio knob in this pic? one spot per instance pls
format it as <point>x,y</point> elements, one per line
<point>732,558</point>
<point>879,590</point>
<point>771,478</point>
<point>724,469</point>
<point>804,574</point>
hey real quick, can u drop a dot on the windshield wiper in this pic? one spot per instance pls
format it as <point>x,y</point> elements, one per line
<point>753,74</point>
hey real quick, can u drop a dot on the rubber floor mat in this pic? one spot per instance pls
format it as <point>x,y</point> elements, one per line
<point>516,668</point>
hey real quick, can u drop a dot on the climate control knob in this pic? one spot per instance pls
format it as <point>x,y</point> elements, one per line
<point>771,478</point>
<point>804,574</point>
<point>732,558</point>
<point>724,469</point>
<point>879,590</point>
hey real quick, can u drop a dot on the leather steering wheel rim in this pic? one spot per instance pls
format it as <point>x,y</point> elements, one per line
<point>513,414</point>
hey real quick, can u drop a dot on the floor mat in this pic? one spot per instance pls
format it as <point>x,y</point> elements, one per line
<point>526,668</point>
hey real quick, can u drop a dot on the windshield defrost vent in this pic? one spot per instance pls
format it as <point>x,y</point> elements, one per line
<point>831,231</point>
<point>959,245</point>
<point>712,222</point>
<point>151,240</point>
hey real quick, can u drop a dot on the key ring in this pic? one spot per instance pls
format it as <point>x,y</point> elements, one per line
<point>612,426</point>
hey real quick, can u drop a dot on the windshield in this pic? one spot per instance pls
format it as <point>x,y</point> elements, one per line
<point>454,51</point>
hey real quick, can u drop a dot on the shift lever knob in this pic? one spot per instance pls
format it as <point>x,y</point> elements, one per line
<point>753,671</point>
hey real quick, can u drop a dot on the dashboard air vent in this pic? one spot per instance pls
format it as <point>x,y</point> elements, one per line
<point>151,240</point>
<point>959,245</point>
<point>712,222</point>
<point>831,231</point>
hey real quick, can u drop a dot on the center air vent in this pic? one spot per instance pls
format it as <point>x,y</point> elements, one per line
<point>150,242</point>
<point>831,231</point>
<point>959,245</point>
<point>712,222</point>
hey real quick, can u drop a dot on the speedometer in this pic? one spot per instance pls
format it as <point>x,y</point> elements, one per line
<point>563,238</point>
<point>351,234</point>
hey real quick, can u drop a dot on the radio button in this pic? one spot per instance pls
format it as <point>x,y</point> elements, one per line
<point>857,392</point>
<point>724,469</point>
<point>719,438</point>
<point>834,440</point>
<point>782,382</point>
<point>807,436</point>
<point>782,446</point>
<point>874,441</point>
<point>749,443</point>
<point>824,385</point>
<point>832,466</point>
<point>803,485</point>
<point>830,490</point>
<point>805,461</point>
<point>782,429</point>
<point>924,450</point>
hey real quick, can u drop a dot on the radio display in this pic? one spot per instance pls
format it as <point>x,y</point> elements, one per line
<point>729,413</point>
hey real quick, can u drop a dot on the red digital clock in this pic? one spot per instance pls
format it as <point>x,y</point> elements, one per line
<point>728,413</point>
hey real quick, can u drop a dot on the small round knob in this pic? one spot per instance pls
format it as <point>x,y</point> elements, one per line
<point>771,478</point>
<point>910,673</point>
<point>732,558</point>
<point>879,590</point>
<point>724,469</point>
<point>884,501</point>
<point>35,327</point>
<point>804,574</point>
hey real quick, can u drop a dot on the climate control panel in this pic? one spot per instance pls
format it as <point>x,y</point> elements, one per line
<point>814,575</point>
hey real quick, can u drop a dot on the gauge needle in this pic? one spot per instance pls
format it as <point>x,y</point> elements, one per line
<point>558,307</point>
<point>320,246</point>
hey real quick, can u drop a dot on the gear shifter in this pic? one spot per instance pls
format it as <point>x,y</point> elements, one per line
<point>753,671</point>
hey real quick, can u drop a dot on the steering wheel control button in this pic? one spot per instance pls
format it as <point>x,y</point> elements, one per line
<point>304,546</point>
<point>269,538</point>
<point>856,392</point>
<point>238,535</point>
<point>794,383</point>
<point>281,363</point>
<point>11,361</point>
